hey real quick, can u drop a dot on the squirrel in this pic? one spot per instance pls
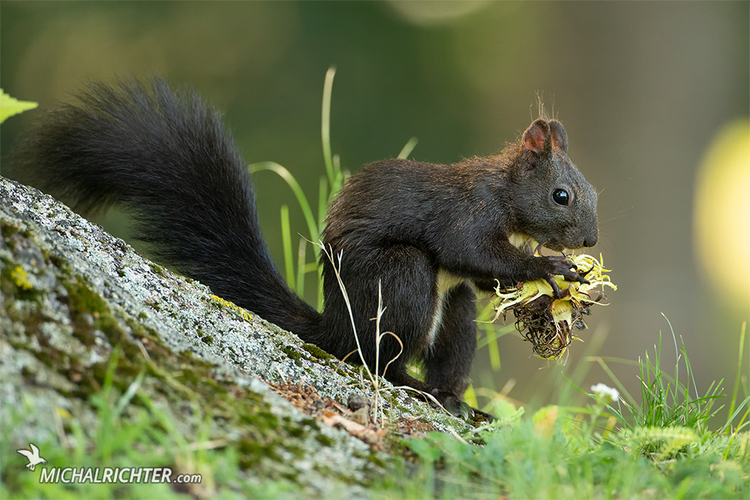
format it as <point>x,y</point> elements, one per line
<point>427,235</point>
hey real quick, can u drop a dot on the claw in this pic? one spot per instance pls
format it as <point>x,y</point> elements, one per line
<point>568,262</point>
<point>587,272</point>
<point>553,283</point>
<point>561,266</point>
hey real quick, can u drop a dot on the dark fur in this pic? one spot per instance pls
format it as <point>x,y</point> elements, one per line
<point>167,157</point>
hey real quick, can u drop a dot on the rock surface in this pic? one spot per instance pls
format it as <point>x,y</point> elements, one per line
<point>85,317</point>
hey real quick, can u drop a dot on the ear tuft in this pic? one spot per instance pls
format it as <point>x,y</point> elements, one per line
<point>535,137</point>
<point>558,135</point>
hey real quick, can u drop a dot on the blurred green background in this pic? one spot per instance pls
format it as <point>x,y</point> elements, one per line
<point>643,89</point>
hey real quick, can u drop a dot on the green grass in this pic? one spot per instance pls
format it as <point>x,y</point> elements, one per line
<point>661,447</point>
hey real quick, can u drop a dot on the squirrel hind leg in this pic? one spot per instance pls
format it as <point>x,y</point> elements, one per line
<point>448,360</point>
<point>448,400</point>
<point>404,277</point>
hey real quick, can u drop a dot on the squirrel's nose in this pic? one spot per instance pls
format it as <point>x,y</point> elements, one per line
<point>590,241</point>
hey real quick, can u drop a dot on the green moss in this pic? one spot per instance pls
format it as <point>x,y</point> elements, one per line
<point>81,298</point>
<point>157,269</point>
<point>89,312</point>
<point>324,440</point>
<point>291,353</point>
<point>252,451</point>
<point>61,264</point>
<point>10,232</point>
<point>7,230</point>
<point>317,352</point>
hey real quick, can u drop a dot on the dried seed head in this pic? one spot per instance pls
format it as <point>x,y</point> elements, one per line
<point>548,322</point>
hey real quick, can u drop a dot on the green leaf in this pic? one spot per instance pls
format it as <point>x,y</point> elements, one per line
<point>10,106</point>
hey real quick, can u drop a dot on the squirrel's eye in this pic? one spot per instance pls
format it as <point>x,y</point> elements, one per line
<point>560,196</point>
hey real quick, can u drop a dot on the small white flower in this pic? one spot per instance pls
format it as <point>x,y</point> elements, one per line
<point>609,394</point>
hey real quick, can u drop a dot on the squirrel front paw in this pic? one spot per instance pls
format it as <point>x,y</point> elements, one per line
<point>559,265</point>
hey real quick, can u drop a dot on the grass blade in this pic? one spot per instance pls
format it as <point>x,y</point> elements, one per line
<point>312,225</point>
<point>739,372</point>
<point>301,267</point>
<point>408,148</point>
<point>286,239</point>
<point>325,125</point>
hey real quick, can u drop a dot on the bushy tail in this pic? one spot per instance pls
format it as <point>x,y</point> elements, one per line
<point>168,159</point>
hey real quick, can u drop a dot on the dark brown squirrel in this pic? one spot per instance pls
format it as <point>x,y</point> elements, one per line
<point>426,234</point>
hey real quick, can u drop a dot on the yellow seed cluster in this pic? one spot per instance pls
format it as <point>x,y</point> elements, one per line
<point>548,322</point>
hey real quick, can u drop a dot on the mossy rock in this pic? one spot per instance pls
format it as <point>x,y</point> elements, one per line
<point>89,325</point>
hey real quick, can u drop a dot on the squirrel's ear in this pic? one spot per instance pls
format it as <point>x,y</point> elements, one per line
<point>535,137</point>
<point>558,135</point>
